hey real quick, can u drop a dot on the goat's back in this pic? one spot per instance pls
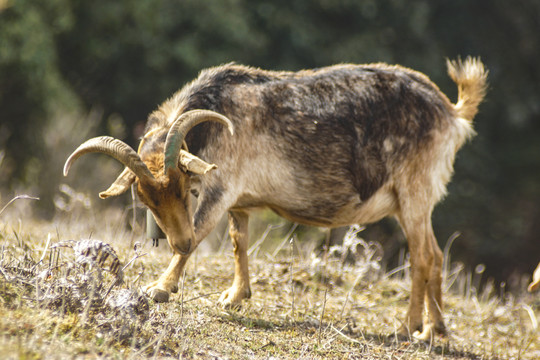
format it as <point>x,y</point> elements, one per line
<point>342,131</point>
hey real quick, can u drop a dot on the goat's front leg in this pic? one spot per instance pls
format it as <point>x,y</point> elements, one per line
<point>161,289</point>
<point>209,211</point>
<point>238,227</point>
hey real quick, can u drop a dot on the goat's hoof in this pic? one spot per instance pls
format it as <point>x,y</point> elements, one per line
<point>232,297</point>
<point>158,295</point>
<point>174,289</point>
<point>406,332</point>
<point>429,331</point>
<point>425,335</point>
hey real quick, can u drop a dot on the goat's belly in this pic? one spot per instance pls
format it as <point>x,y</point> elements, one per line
<point>306,217</point>
<point>381,204</point>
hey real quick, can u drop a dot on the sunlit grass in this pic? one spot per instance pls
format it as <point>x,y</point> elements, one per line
<point>302,306</point>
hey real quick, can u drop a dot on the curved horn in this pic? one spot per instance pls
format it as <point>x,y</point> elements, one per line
<point>181,127</point>
<point>194,164</point>
<point>114,148</point>
<point>120,185</point>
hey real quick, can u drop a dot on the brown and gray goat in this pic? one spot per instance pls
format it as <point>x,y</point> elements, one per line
<point>340,145</point>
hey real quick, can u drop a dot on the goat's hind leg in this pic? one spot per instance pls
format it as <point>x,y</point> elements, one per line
<point>426,268</point>
<point>240,289</point>
<point>435,323</point>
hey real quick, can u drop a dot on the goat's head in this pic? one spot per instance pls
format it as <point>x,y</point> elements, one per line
<point>162,171</point>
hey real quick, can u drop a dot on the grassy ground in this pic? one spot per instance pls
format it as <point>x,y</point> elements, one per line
<point>301,307</point>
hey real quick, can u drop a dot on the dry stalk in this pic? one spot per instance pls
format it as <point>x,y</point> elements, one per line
<point>46,248</point>
<point>182,297</point>
<point>532,316</point>
<point>223,241</point>
<point>134,206</point>
<point>287,237</point>
<point>446,253</point>
<point>254,249</point>
<point>348,296</point>
<point>291,277</point>
<point>158,345</point>
<point>137,249</point>
<point>17,198</point>
<point>140,353</point>
<point>325,263</point>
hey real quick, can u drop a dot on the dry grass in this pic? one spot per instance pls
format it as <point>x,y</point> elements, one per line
<point>301,307</point>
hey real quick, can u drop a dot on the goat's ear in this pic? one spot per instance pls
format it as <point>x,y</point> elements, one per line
<point>120,185</point>
<point>194,164</point>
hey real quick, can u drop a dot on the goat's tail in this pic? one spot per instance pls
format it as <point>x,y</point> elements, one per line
<point>471,79</point>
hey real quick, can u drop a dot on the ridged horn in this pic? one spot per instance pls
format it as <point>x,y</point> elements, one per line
<point>114,148</point>
<point>194,164</point>
<point>182,126</point>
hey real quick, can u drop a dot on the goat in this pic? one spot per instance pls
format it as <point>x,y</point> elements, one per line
<point>328,147</point>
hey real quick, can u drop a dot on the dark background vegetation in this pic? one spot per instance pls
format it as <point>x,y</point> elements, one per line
<point>71,69</point>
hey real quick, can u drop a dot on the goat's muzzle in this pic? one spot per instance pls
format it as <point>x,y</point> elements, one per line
<point>184,249</point>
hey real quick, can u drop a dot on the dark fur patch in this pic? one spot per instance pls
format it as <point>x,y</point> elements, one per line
<point>331,122</point>
<point>206,200</point>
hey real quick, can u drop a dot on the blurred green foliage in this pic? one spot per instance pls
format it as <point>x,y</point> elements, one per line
<point>61,60</point>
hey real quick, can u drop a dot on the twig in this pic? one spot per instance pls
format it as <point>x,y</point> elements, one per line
<point>17,198</point>
<point>202,296</point>
<point>345,336</point>
<point>269,343</point>
<point>133,259</point>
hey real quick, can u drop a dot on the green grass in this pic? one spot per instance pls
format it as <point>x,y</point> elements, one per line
<point>284,319</point>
